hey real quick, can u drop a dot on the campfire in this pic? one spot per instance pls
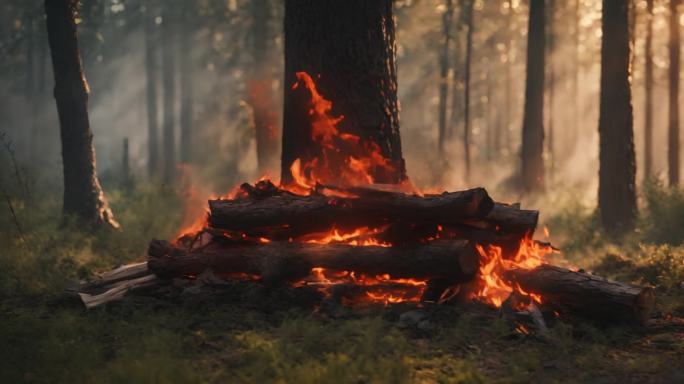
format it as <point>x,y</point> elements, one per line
<point>357,242</point>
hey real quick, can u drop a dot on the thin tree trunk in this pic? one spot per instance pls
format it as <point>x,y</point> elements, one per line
<point>617,192</point>
<point>456,100</point>
<point>466,102</point>
<point>83,196</point>
<point>573,127</point>
<point>260,89</point>
<point>348,46</point>
<point>551,87</point>
<point>186,82</point>
<point>508,104</point>
<point>151,39</point>
<point>533,120</point>
<point>444,74</point>
<point>648,97</point>
<point>673,127</point>
<point>30,88</point>
<point>169,70</point>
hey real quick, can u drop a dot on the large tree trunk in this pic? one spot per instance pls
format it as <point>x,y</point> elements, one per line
<point>151,40</point>
<point>466,102</point>
<point>673,126</point>
<point>444,75</point>
<point>510,99</point>
<point>648,93</point>
<point>348,46</point>
<point>533,119</point>
<point>617,192</point>
<point>83,195</point>
<point>169,71</point>
<point>186,82</point>
<point>260,89</point>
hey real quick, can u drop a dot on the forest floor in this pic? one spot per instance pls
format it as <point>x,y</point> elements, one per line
<point>47,337</point>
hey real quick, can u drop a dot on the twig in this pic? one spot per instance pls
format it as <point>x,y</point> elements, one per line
<point>17,170</point>
<point>16,220</point>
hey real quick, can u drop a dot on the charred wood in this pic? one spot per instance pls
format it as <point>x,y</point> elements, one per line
<point>279,262</point>
<point>587,295</point>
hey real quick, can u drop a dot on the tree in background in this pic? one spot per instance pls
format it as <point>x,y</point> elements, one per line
<point>533,119</point>
<point>468,12</point>
<point>444,73</point>
<point>648,92</point>
<point>260,88</point>
<point>151,52</point>
<point>187,29</point>
<point>83,195</point>
<point>551,49</point>
<point>348,46</point>
<point>169,86</point>
<point>673,122</point>
<point>617,172</point>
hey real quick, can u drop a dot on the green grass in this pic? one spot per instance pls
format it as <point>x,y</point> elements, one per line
<point>48,338</point>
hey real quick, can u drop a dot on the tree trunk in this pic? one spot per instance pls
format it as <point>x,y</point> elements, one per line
<point>617,192</point>
<point>260,89</point>
<point>673,126</point>
<point>349,47</point>
<point>186,82</point>
<point>151,41</point>
<point>552,87</point>
<point>648,94</point>
<point>573,127</point>
<point>510,97</point>
<point>533,120</point>
<point>444,75</point>
<point>169,71</point>
<point>83,196</point>
<point>30,88</point>
<point>466,102</point>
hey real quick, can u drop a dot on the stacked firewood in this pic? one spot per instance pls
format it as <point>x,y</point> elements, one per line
<point>423,244</point>
<point>271,234</point>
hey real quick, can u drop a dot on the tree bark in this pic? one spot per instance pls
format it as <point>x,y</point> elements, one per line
<point>673,126</point>
<point>585,294</point>
<point>444,74</point>
<point>349,47</point>
<point>533,119</point>
<point>169,72</point>
<point>83,195</point>
<point>648,93</point>
<point>279,262</point>
<point>466,102</point>
<point>260,89</point>
<point>186,84</point>
<point>151,41</point>
<point>617,192</point>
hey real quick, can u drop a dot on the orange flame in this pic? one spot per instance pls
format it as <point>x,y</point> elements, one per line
<point>493,288</point>
<point>344,158</point>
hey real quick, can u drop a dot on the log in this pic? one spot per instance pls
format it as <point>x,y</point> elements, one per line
<point>585,294</point>
<point>511,219</point>
<point>282,212</point>
<point>279,262</point>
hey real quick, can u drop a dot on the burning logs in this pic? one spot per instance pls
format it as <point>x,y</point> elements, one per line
<point>586,294</point>
<point>286,214</point>
<point>279,262</point>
